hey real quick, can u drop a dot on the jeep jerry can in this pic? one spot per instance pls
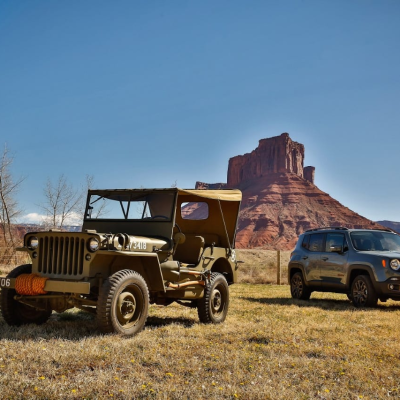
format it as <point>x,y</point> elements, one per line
<point>137,247</point>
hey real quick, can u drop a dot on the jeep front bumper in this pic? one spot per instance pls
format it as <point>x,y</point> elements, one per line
<point>52,286</point>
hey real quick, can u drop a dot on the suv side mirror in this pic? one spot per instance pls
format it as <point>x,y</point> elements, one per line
<point>336,249</point>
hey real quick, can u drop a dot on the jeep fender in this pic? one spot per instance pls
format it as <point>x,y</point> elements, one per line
<point>224,267</point>
<point>146,264</point>
<point>218,260</point>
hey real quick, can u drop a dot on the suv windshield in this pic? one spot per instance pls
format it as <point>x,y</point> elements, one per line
<point>130,206</point>
<point>375,241</point>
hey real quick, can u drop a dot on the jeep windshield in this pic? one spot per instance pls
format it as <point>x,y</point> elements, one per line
<point>375,241</point>
<point>145,206</point>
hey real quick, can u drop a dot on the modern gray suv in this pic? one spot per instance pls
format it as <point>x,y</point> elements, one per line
<point>363,263</point>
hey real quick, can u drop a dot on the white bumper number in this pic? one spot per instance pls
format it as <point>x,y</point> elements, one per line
<point>4,282</point>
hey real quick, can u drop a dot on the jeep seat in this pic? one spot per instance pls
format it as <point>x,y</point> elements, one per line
<point>191,250</point>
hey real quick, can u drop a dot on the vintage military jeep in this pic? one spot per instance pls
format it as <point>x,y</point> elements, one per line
<point>137,246</point>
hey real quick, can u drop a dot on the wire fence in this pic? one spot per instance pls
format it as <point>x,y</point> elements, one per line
<point>9,257</point>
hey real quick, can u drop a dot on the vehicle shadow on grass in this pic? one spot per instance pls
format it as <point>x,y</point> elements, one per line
<point>75,326</point>
<point>324,304</point>
<point>154,322</point>
<point>64,326</point>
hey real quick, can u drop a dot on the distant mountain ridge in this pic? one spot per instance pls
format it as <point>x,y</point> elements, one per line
<point>39,228</point>
<point>391,225</point>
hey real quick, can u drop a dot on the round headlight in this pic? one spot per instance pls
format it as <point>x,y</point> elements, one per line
<point>93,244</point>
<point>33,242</point>
<point>395,264</point>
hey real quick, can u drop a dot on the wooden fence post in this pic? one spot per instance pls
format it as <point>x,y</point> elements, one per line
<point>278,267</point>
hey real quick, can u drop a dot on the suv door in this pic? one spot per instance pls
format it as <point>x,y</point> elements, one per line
<point>312,255</point>
<point>333,264</point>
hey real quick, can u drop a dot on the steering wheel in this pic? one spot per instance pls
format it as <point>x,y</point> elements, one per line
<point>159,216</point>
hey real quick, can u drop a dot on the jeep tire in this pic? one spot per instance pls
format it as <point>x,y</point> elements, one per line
<point>16,313</point>
<point>123,303</point>
<point>213,307</point>
<point>298,288</point>
<point>363,292</point>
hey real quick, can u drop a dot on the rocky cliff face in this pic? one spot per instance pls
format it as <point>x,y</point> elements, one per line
<point>280,200</point>
<point>278,154</point>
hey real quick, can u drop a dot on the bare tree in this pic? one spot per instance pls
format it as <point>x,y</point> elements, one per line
<point>9,210</point>
<point>62,202</point>
<point>101,208</point>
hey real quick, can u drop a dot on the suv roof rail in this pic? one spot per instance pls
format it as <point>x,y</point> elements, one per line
<point>338,228</point>
<point>380,229</point>
<point>342,228</point>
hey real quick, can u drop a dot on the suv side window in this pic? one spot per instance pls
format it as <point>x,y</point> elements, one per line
<point>316,242</point>
<point>306,241</point>
<point>335,239</point>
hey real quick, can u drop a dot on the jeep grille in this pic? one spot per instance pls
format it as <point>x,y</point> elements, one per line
<point>61,255</point>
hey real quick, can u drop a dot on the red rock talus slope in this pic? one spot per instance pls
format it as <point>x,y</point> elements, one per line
<point>280,200</point>
<point>277,208</point>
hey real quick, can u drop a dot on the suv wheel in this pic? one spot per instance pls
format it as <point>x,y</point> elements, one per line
<point>298,288</point>
<point>123,303</point>
<point>213,307</point>
<point>363,292</point>
<point>16,313</point>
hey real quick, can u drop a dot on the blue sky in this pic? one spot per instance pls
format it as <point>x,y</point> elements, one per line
<point>146,93</point>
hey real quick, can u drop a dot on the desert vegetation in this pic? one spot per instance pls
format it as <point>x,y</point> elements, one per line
<point>9,210</point>
<point>269,347</point>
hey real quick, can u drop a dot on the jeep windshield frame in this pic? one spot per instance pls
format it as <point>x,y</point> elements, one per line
<point>139,212</point>
<point>375,241</point>
<point>130,206</point>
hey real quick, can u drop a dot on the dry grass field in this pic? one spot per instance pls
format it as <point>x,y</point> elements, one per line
<point>270,347</point>
<point>260,266</point>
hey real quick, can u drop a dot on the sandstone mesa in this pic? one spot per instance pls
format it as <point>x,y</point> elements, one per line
<point>280,199</point>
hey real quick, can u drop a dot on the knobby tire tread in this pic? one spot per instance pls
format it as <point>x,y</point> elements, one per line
<point>106,295</point>
<point>203,308</point>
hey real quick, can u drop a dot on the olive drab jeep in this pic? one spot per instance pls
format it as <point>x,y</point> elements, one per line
<point>137,246</point>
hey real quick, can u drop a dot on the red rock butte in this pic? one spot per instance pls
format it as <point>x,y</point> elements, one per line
<point>280,200</point>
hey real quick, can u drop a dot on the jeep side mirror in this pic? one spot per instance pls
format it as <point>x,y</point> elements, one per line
<point>336,249</point>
